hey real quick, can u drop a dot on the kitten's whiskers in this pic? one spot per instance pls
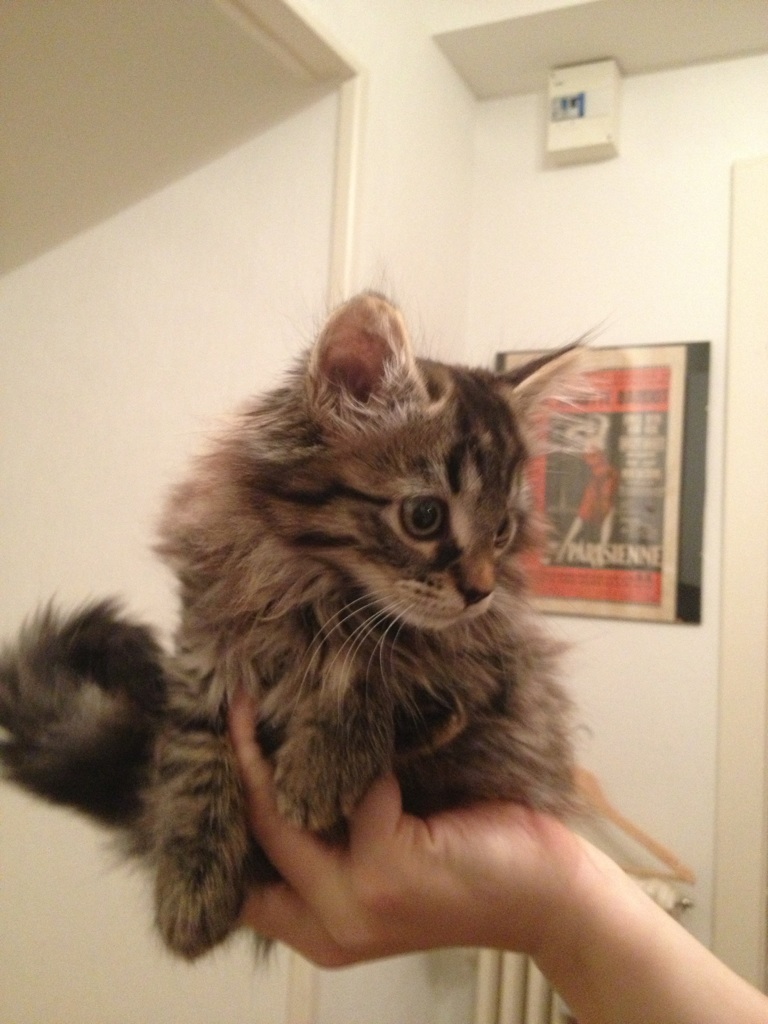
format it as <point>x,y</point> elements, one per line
<point>352,608</point>
<point>356,640</point>
<point>398,619</point>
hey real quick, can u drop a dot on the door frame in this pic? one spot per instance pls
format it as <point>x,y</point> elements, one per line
<point>741,827</point>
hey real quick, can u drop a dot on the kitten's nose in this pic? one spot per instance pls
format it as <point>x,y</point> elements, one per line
<point>474,596</point>
<point>475,579</point>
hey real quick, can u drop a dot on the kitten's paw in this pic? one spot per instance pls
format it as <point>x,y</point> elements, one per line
<point>309,794</point>
<point>319,810</point>
<point>197,902</point>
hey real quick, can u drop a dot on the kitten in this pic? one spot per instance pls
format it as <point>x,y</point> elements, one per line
<point>348,551</point>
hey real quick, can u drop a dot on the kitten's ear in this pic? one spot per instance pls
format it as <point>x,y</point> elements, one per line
<point>547,376</point>
<point>363,350</point>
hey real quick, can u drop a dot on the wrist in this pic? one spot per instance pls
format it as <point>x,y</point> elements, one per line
<point>613,954</point>
<point>588,915</point>
<point>533,888</point>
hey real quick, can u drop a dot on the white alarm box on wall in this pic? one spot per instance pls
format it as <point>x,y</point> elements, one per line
<point>584,112</point>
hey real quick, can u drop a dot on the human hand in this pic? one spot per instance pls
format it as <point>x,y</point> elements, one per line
<point>495,874</point>
<point>477,876</point>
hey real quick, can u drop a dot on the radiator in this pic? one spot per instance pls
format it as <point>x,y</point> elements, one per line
<point>512,990</point>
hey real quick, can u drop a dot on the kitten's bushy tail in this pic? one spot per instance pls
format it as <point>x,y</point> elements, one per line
<point>81,698</point>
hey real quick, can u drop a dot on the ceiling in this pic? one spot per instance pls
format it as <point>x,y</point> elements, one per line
<point>102,103</point>
<point>500,52</point>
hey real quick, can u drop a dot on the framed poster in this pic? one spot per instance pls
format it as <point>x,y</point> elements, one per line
<point>621,485</point>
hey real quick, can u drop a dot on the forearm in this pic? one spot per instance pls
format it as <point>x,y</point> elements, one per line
<point>617,958</point>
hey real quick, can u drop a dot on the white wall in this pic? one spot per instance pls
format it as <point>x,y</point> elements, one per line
<point>416,167</point>
<point>638,244</point>
<point>118,349</point>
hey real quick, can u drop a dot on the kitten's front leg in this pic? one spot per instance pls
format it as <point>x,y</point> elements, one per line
<point>201,840</point>
<point>329,758</point>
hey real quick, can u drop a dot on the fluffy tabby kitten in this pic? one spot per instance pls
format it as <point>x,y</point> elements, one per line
<point>348,552</point>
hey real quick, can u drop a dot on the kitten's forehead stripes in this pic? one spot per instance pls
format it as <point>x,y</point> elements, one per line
<point>333,492</point>
<point>489,440</point>
<point>453,464</point>
<point>320,539</point>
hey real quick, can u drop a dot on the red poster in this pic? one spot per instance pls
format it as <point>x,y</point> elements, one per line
<point>608,486</point>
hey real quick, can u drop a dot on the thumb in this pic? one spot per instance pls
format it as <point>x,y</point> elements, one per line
<point>378,815</point>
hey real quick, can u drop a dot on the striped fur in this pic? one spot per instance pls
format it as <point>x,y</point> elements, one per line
<point>348,550</point>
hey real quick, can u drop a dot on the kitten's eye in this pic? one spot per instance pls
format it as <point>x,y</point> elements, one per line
<point>505,532</point>
<point>423,518</point>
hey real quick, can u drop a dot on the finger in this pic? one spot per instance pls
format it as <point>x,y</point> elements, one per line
<point>242,721</point>
<point>300,857</point>
<point>378,815</point>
